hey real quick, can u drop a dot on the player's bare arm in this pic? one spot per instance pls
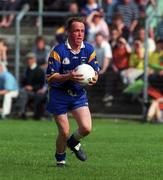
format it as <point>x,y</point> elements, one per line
<point>73,76</point>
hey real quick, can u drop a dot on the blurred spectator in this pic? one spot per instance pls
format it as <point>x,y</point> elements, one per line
<point>104,55</point>
<point>129,11</point>
<point>60,35</point>
<point>118,23</point>
<point>120,60</point>
<point>136,64</point>
<point>156,65</point>
<point>96,24</point>
<point>151,42</point>
<point>73,7</point>
<point>108,7</point>
<point>103,52</point>
<point>33,87</point>
<point>10,5</point>
<point>121,54</point>
<point>91,6</point>
<point>142,16</point>
<point>8,90</point>
<point>114,37</point>
<point>155,111</point>
<point>3,52</point>
<point>41,50</point>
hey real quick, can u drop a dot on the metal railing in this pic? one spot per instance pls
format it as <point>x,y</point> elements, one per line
<point>17,39</point>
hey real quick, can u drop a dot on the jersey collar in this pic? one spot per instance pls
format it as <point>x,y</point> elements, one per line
<point>69,47</point>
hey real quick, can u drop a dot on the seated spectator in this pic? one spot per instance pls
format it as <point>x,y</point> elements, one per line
<point>118,23</point>
<point>91,6</point>
<point>33,87</point>
<point>151,42</point>
<point>129,11</point>
<point>136,64</point>
<point>41,50</point>
<point>8,90</point>
<point>155,80</point>
<point>3,52</point>
<point>96,24</point>
<point>10,5</point>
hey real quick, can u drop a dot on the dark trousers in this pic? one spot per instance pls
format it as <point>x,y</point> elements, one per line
<point>25,97</point>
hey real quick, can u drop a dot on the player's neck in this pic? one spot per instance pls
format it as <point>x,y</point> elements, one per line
<point>74,46</point>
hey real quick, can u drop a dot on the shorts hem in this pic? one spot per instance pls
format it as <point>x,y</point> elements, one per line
<point>76,107</point>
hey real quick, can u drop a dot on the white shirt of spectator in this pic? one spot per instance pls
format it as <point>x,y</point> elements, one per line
<point>94,29</point>
<point>107,49</point>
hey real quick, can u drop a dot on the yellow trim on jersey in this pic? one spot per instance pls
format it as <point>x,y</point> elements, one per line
<point>96,62</point>
<point>55,55</point>
<point>92,56</point>
<point>52,76</point>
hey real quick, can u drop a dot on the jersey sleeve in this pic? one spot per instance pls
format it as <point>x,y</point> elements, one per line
<point>92,61</point>
<point>54,64</point>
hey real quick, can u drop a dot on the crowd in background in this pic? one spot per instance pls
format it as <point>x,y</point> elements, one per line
<point>116,29</point>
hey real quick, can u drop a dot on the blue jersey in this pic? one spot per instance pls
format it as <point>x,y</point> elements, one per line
<point>63,60</point>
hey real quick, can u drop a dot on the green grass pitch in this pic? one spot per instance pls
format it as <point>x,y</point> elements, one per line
<point>117,150</point>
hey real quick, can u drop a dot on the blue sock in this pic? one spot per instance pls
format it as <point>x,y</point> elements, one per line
<point>60,156</point>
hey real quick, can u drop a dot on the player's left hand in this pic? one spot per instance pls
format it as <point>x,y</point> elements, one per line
<point>93,80</point>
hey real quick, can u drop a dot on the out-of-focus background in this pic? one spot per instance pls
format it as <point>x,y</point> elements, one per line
<point>128,39</point>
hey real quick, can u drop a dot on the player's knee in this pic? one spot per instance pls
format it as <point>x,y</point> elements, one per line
<point>86,130</point>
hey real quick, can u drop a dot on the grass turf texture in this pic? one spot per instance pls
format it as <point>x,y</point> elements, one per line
<point>117,150</point>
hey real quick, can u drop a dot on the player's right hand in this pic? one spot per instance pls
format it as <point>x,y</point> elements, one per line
<point>76,77</point>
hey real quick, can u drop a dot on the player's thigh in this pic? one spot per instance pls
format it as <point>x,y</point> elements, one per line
<point>62,124</point>
<point>83,117</point>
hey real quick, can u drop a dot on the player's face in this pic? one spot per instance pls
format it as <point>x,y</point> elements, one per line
<point>76,33</point>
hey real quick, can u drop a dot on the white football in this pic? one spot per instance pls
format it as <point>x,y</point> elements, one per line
<point>87,71</point>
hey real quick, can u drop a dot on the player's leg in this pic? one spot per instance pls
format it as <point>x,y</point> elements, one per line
<point>61,142</point>
<point>83,117</point>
